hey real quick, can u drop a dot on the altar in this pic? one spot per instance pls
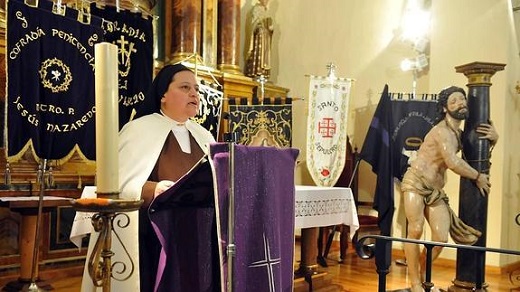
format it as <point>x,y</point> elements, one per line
<point>324,206</point>
<point>321,206</point>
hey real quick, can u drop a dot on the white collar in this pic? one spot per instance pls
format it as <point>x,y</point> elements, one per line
<point>181,133</point>
<point>172,120</point>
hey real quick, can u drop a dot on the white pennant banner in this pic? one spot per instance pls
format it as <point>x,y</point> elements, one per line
<point>327,128</point>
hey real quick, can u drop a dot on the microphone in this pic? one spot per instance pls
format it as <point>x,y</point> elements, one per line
<point>229,137</point>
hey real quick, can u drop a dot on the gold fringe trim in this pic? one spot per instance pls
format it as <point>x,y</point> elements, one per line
<point>29,147</point>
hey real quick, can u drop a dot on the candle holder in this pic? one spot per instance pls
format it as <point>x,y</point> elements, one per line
<point>109,209</point>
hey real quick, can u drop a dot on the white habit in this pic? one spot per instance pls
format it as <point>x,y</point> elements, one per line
<point>140,143</point>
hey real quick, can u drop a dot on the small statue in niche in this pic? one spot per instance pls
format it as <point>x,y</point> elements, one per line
<point>258,56</point>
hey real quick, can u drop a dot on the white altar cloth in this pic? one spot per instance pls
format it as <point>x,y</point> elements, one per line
<point>324,206</point>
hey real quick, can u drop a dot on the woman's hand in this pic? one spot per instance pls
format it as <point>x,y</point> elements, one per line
<point>162,186</point>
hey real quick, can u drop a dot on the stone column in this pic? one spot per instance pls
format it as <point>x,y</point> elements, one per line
<point>183,20</point>
<point>209,33</point>
<point>472,205</point>
<point>229,36</point>
<point>159,35</point>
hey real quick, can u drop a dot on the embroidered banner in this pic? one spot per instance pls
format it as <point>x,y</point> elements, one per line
<point>412,120</point>
<point>133,35</point>
<point>395,134</point>
<point>262,125</point>
<point>210,108</point>
<point>50,82</point>
<point>327,128</point>
<point>396,131</point>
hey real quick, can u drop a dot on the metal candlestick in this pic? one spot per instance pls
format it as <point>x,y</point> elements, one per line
<point>108,207</point>
<point>33,286</point>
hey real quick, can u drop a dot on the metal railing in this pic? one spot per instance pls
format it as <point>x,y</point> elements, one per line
<point>368,251</point>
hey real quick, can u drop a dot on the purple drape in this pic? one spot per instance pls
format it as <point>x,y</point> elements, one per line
<point>264,215</point>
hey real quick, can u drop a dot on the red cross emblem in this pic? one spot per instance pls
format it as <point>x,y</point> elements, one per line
<point>327,127</point>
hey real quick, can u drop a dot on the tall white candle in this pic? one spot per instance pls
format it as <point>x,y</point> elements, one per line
<point>107,118</point>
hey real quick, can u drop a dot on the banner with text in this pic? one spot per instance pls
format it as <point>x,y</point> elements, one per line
<point>412,120</point>
<point>327,128</point>
<point>133,35</point>
<point>50,82</point>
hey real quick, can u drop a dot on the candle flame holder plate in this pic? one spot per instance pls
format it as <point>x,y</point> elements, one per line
<point>106,205</point>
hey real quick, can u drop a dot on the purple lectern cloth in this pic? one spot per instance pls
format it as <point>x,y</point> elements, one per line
<point>264,215</point>
<point>178,237</point>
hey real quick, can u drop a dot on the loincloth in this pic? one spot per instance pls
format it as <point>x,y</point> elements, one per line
<point>460,232</point>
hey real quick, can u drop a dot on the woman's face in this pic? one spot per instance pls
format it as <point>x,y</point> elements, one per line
<point>181,101</point>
